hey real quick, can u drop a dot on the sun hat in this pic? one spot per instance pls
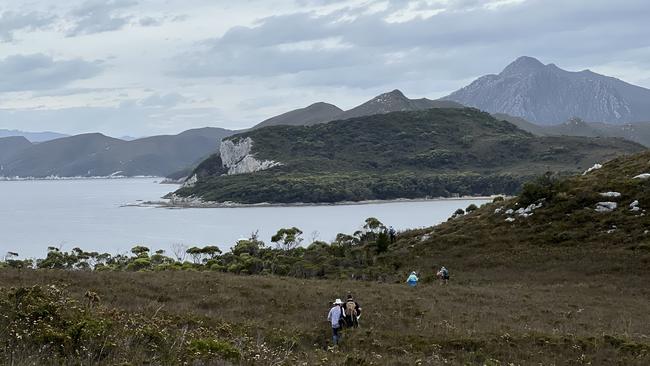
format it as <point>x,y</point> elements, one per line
<point>337,302</point>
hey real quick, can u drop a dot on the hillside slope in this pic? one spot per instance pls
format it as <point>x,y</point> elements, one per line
<point>98,155</point>
<point>12,145</point>
<point>547,94</point>
<point>431,153</point>
<point>310,115</point>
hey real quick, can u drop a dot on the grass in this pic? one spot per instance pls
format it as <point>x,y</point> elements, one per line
<point>271,320</point>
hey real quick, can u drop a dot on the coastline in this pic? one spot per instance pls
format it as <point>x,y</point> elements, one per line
<point>183,204</point>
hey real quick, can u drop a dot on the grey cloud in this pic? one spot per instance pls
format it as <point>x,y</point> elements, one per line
<point>97,16</point>
<point>451,41</point>
<point>12,22</point>
<point>149,22</point>
<point>41,72</point>
<point>163,100</point>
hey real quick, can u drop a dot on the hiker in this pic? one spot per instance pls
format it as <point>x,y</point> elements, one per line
<point>392,234</point>
<point>352,312</point>
<point>443,275</point>
<point>412,280</point>
<point>335,316</point>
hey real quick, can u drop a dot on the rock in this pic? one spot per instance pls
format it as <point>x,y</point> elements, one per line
<point>634,206</point>
<point>595,167</point>
<point>642,176</point>
<point>496,211</point>
<point>510,211</point>
<point>191,182</point>
<point>510,219</point>
<point>606,206</point>
<point>237,157</point>
<point>611,194</point>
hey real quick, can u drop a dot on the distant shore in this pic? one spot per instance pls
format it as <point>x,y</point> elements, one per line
<point>180,204</point>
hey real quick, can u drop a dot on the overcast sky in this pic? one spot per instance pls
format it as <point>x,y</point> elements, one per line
<point>144,67</point>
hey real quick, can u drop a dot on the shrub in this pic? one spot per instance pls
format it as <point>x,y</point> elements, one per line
<point>208,348</point>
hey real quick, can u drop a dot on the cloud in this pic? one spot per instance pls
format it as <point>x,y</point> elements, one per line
<point>97,16</point>
<point>364,47</point>
<point>12,22</point>
<point>42,72</point>
<point>163,100</point>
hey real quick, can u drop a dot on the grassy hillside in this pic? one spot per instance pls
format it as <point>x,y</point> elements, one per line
<point>431,153</point>
<point>562,285</point>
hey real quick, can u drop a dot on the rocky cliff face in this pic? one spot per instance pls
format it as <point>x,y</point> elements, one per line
<point>237,157</point>
<point>546,94</point>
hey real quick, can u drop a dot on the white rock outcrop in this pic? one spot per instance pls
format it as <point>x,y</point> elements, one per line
<point>611,194</point>
<point>595,167</point>
<point>191,182</point>
<point>642,176</point>
<point>634,206</point>
<point>606,206</point>
<point>236,156</point>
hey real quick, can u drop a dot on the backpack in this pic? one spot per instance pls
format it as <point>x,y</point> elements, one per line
<point>351,309</point>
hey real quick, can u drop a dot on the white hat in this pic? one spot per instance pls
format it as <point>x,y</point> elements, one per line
<point>338,302</point>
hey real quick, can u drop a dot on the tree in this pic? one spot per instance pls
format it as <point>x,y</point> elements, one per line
<point>196,253</point>
<point>287,239</point>
<point>471,207</point>
<point>373,225</point>
<point>211,251</point>
<point>140,251</point>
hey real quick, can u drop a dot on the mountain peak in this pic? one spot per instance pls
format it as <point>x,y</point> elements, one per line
<point>395,94</point>
<point>523,64</point>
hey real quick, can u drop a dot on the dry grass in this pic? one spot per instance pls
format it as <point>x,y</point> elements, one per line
<point>520,322</point>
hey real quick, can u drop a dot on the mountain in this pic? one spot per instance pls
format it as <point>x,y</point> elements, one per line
<point>12,145</point>
<point>32,136</point>
<point>98,155</point>
<point>637,132</point>
<point>313,114</point>
<point>546,94</point>
<point>394,101</point>
<point>415,154</point>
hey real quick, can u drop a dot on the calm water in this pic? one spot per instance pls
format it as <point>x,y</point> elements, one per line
<point>88,214</point>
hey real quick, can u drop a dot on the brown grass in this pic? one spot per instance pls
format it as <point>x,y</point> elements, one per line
<point>518,321</point>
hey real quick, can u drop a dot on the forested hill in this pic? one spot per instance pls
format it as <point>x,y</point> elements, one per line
<point>416,154</point>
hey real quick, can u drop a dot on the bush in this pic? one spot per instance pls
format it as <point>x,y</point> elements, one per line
<point>209,348</point>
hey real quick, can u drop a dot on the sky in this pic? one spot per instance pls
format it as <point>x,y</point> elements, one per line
<point>146,67</point>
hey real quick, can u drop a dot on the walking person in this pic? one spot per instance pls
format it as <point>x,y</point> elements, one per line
<point>412,280</point>
<point>443,275</point>
<point>334,317</point>
<point>393,234</point>
<point>352,312</point>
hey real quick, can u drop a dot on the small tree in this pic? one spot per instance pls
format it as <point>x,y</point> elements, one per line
<point>471,207</point>
<point>287,239</point>
<point>140,251</point>
<point>211,251</point>
<point>373,225</point>
<point>196,253</point>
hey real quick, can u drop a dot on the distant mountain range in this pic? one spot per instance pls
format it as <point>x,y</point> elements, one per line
<point>32,136</point>
<point>546,94</point>
<point>394,101</point>
<point>413,154</point>
<point>91,155</point>
<point>637,132</point>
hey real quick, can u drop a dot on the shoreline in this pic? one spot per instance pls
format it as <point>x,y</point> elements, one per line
<point>200,204</point>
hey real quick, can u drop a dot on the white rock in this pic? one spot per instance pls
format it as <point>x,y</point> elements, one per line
<point>237,157</point>
<point>496,211</point>
<point>510,211</point>
<point>595,167</point>
<point>611,194</point>
<point>606,206</point>
<point>642,176</point>
<point>510,219</point>
<point>191,182</point>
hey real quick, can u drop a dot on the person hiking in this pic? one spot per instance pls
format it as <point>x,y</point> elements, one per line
<point>352,312</point>
<point>443,275</point>
<point>412,280</point>
<point>334,317</point>
<point>392,233</point>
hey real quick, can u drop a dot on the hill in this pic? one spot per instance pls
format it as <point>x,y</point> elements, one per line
<point>12,145</point>
<point>546,94</point>
<point>637,132</point>
<point>32,136</point>
<point>90,155</point>
<point>313,114</point>
<point>394,101</point>
<point>430,153</point>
